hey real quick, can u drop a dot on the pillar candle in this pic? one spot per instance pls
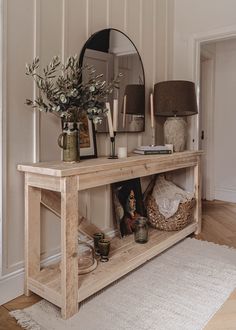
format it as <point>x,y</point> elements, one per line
<point>152,110</point>
<point>110,127</point>
<point>115,114</point>
<point>122,152</point>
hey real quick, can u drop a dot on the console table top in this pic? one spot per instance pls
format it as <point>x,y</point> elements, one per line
<point>86,166</point>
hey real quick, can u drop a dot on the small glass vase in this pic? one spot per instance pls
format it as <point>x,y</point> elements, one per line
<point>141,230</point>
<point>68,140</point>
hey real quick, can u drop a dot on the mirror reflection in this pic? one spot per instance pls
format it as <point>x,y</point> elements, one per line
<point>111,52</point>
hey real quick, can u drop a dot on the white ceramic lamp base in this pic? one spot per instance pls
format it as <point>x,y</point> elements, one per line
<point>175,132</point>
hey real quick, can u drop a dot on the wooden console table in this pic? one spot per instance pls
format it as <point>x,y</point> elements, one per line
<point>60,285</point>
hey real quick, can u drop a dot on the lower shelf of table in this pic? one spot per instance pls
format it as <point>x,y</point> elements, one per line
<point>125,256</point>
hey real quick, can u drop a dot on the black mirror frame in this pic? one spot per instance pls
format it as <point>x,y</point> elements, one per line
<point>81,57</point>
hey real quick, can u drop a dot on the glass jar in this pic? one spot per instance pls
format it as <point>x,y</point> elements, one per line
<point>141,230</point>
<point>86,258</point>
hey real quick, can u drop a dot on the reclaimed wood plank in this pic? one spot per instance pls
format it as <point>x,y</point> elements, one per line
<point>32,232</point>
<point>69,239</point>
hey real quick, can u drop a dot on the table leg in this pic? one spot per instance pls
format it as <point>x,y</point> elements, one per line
<point>69,244</point>
<point>32,232</point>
<point>197,187</point>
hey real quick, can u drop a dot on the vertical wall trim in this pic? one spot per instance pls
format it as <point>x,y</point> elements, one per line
<point>141,26</point>
<point>64,35</point>
<point>36,114</point>
<point>166,38</point>
<point>140,135</point>
<point>87,18</point>
<point>154,37</point>
<point>108,13</point>
<point>125,15</point>
<point>1,132</point>
<point>4,155</point>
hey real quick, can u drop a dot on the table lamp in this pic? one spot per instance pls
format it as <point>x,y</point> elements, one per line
<point>175,99</point>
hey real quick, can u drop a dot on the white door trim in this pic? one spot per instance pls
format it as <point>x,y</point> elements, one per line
<point>2,9</point>
<point>196,42</point>
<point>207,119</point>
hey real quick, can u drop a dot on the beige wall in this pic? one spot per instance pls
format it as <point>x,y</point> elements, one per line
<point>195,18</point>
<point>46,28</point>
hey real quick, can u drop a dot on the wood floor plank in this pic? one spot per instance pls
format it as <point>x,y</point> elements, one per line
<point>6,321</point>
<point>219,226</point>
<point>219,223</point>
<point>22,302</point>
<point>225,318</point>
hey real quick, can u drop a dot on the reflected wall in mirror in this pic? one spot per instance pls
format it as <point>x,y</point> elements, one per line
<point>111,52</point>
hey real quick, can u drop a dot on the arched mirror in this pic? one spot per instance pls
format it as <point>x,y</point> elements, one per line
<point>111,52</point>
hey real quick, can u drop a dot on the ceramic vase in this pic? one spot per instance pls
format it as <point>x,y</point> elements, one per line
<point>68,140</point>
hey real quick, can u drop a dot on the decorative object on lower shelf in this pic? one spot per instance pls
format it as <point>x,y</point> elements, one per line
<point>168,206</point>
<point>141,230</point>
<point>128,204</point>
<point>86,258</point>
<point>96,238</point>
<point>104,249</point>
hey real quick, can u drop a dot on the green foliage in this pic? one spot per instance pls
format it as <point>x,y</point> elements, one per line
<point>64,92</point>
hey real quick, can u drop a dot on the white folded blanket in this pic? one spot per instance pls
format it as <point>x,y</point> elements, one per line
<point>168,196</point>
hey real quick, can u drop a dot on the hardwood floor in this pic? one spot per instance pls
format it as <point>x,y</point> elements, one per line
<point>6,321</point>
<point>219,226</point>
<point>219,223</point>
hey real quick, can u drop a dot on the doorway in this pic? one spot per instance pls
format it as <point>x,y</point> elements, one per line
<point>217,119</point>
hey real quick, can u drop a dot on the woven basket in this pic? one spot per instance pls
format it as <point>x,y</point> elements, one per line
<point>182,217</point>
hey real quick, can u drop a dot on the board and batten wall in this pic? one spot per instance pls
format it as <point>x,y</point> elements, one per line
<point>60,27</point>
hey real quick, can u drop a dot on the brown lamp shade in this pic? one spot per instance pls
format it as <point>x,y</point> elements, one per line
<point>175,98</point>
<point>135,99</point>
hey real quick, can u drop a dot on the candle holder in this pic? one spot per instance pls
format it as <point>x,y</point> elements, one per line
<point>96,238</point>
<point>113,147</point>
<point>104,249</point>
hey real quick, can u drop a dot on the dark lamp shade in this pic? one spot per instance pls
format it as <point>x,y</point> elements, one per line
<point>175,98</point>
<point>135,100</point>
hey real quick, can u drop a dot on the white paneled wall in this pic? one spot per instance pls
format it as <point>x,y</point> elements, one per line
<point>61,27</point>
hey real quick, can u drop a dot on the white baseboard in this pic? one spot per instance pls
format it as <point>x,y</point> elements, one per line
<point>12,285</point>
<point>226,195</point>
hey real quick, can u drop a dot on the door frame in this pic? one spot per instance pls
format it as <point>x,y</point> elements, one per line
<point>205,124</point>
<point>196,43</point>
<point>2,138</point>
